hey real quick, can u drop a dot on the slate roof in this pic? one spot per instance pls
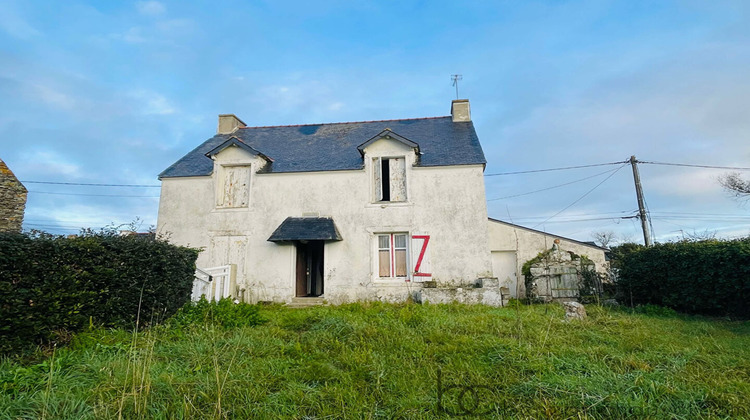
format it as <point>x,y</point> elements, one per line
<point>331,147</point>
<point>307,229</point>
<point>589,244</point>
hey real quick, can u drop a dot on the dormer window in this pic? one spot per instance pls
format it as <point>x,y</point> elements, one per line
<point>389,179</point>
<point>234,162</point>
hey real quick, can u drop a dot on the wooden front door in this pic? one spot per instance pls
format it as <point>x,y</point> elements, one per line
<point>309,269</point>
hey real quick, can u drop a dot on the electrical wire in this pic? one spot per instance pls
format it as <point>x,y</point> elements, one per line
<point>95,195</point>
<point>93,185</point>
<point>583,196</point>
<point>578,220</point>
<point>552,187</point>
<point>736,168</point>
<point>557,169</point>
<point>632,212</point>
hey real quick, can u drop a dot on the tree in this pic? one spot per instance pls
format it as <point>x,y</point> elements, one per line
<point>735,185</point>
<point>603,238</point>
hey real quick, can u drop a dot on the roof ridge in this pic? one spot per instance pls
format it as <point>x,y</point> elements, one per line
<point>346,122</point>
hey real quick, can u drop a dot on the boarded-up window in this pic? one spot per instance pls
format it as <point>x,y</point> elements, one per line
<point>389,178</point>
<point>392,255</point>
<point>233,186</point>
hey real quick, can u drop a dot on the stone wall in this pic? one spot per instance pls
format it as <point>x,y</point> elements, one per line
<point>485,291</point>
<point>12,200</point>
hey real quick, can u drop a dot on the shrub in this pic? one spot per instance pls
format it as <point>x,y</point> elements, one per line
<point>224,313</point>
<point>707,277</point>
<point>53,283</point>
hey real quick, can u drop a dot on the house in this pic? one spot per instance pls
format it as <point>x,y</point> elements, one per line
<point>12,200</point>
<point>371,210</point>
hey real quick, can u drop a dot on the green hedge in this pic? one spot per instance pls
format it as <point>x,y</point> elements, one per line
<point>50,284</point>
<point>707,277</point>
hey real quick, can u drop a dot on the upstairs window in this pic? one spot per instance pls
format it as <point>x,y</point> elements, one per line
<point>233,187</point>
<point>389,179</point>
<point>392,255</point>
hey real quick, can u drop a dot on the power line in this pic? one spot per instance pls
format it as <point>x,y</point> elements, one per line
<point>584,195</point>
<point>86,222</point>
<point>631,212</point>
<point>590,219</point>
<point>553,187</point>
<point>555,169</point>
<point>95,195</point>
<point>698,214</point>
<point>703,219</point>
<point>737,168</point>
<point>93,185</point>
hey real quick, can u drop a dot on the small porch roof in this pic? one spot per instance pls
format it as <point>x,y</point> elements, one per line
<point>306,229</point>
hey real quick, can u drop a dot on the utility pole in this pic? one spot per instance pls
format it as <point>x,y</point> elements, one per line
<point>641,206</point>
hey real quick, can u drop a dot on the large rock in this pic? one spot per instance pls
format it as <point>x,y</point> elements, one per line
<point>574,310</point>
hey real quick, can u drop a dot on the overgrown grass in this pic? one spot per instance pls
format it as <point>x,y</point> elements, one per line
<point>382,361</point>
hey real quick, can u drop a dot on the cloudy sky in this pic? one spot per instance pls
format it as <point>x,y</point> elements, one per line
<point>114,92</point>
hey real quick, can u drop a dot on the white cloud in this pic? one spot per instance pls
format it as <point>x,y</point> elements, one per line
<point>48,164</point>
<point>152,103</point>
<point>15,25</point>
<point>171,32</point>
<point>150,8</point>
<point>133,35</point>
<point>53,97</point>
<point>686,183</point>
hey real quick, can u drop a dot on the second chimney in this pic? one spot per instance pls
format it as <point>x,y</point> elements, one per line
<point>228,123</point>
<point>460,110</point>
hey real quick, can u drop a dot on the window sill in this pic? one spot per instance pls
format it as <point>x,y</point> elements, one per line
<point>229,209</point>
<point>393,281</point>
<point>384,204</point>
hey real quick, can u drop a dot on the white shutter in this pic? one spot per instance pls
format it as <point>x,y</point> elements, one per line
<point>420,257</point>
<point>398,179</point>
<point>377,179</point>
<point>241,186</point>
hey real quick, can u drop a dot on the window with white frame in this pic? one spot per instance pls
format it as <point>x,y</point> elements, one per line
<point>389,178</point>
<point>392,255</point>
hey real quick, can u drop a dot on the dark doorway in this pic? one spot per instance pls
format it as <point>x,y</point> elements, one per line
<point>309,268</point>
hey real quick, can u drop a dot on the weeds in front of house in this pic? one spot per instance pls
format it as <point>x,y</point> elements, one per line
<point>378,360</point>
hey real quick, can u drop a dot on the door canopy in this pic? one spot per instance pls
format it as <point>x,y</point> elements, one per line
<point>306,229</point>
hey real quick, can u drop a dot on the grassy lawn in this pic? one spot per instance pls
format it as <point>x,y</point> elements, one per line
<point>383,361</point>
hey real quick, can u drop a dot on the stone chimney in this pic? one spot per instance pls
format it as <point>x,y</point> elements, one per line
<point>12,200</point>
<point>228,123</point>
<point>460,110</point>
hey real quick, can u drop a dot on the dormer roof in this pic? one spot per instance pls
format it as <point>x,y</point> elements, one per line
<point>234,141</point>
<point>390,135</point>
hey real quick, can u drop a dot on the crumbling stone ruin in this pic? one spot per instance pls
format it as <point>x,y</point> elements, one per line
<point>559,275</point>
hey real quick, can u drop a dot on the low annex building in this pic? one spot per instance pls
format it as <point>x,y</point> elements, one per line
<point>353,211</point>
<point>512,245</point>
<point>12,200</point>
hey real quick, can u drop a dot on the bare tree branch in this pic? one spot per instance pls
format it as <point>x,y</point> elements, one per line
<point>603,238</point>
<point>735,184</point>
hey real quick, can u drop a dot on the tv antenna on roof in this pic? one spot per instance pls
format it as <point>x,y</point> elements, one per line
<point>456,78</point>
